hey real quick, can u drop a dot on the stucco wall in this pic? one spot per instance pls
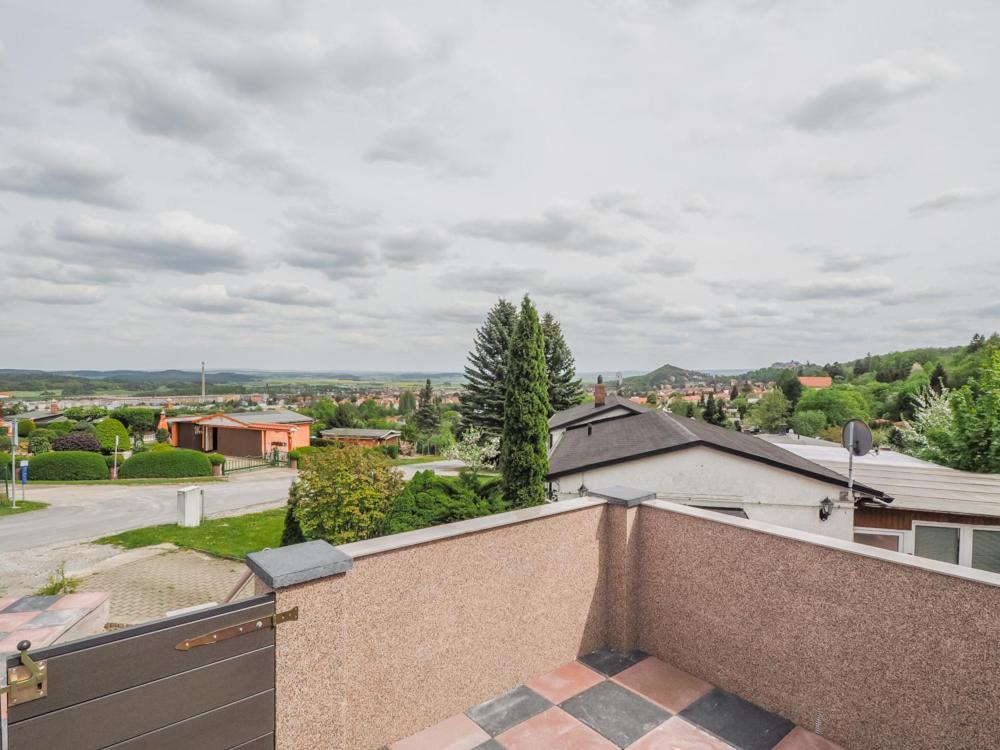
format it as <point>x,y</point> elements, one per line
<point>889,655</point>
<point>767,494</point>
<point>411,636</point>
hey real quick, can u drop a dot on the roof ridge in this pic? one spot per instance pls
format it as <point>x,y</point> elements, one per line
<point>671,417</point>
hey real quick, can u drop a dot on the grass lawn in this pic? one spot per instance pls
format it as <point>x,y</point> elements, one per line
<point>404,460</point>
<point>23,506</point>
<point>231,538</point>
<point>162,480</point>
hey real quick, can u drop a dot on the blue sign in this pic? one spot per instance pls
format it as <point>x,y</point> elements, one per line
<point>24,474</point>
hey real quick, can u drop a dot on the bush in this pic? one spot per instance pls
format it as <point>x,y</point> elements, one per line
<point>430,500</point>
<point>136,418</point>
<point>161,447</point>
<point>39,443</point>
<point>25,427</point>
<point>107,430</point>
<point>110,459</point>
<point>76,441</point>
<point>61,427</point>
<point>67,466</point>
<point>162,435</point>
<point>342,496</point>
<point>4,442</point>
<point>216,459</point>
<point>392,451</point>
<point>808,422</point>
<point>164,464</point>
<point>83,427</point>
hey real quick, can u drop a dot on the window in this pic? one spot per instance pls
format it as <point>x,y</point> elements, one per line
<point>986,549</point>
<point>882,539</point>
<point>937,543</point>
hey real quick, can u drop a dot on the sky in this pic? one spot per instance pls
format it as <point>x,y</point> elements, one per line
<point>288,184</point>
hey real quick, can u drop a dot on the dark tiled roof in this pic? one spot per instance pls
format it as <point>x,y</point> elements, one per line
<point>581,412</point>
<point>357,432</point>
<point>626,438</point>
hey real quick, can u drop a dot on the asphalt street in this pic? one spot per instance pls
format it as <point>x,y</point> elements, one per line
<point>79,513</point>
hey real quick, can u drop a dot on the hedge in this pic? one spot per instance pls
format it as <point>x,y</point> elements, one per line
<point>106,431</point>
<point>160,464</point>
<point>60,426</point>
<point>67,466</point>
<point>217,459</point>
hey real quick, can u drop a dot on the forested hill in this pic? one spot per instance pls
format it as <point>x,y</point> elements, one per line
<point>666,375</point>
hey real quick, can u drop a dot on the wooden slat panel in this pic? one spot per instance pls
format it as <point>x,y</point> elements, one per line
<point>261,743</point>
<point>901,519</point>
<point>130,713</point>
<point>89,672</point>
<point>235,725</point>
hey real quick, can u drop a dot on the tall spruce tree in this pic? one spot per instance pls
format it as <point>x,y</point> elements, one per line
<point>524,457</point>
<point>482,399</point>
<point>565,389</point>
<point>428,416</point>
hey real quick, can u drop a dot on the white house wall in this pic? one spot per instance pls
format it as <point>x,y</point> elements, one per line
<point>708,477</point>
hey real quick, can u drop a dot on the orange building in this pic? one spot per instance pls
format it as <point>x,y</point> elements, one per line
<point>241,434</point>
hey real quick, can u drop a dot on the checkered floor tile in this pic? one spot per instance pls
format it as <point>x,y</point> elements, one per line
<point>605,701</point>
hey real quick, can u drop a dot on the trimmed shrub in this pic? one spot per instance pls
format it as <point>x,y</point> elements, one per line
<point>166,464</point>
<point>110,459</point>
<point>39,443</point>
<point>392,451</point>
<point>136,418</point>
<point>430,500</point>
<point>162,435</point>
<point>25,427</point>
<point>67,466</point>
<point>61,427</point>
<point>299,453</point>
<point>4,442</point>
<point>161,447</point>
<point>76,441</point>
<point>107,430</point>
<point>83,427</point>
<point>4,463</point>
<point>216,459</point>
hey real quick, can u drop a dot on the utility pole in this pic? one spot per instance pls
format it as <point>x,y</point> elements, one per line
<point>203,382</point>
<point>13,463</point>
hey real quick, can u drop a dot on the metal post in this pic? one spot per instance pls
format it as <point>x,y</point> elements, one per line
<point>13,463</point>
<point>850,458</point>
<point>116,457</point>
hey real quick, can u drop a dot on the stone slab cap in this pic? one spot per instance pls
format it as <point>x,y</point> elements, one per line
<point>298,563</point>
<point>619,495</point>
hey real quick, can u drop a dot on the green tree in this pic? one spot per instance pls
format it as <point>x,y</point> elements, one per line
<point>840,403</point>
<point>788,382</point>
<point>808,422</point>
<point>428,415</point>
<point>714,411</point>
<point>939,378</point>
<point>24,428</point>
<point>975,438</point>
<point>342,495</point>
<point>564,388</point>
<point>771,412</point>
<point>524,458</point>
<point>407,403</point>
<point>482,398</point>
<point>324,411</point>
<point>651,398</point>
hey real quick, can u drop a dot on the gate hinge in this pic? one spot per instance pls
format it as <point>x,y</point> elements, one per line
<point>244,628</point>
<point>28,681</point>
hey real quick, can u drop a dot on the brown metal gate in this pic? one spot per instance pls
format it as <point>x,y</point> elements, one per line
<point>200,681</point>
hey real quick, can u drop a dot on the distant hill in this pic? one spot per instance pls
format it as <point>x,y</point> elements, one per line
<point>666,375</point>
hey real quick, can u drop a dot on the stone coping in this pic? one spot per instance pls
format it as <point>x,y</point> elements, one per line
<point>897,558</point>
<point>460,528</point>
<point>620,495</point>
<point>298,563</point>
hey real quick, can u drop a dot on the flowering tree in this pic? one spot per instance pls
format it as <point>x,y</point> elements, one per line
<point>475,450</point>
<point>928,435</point>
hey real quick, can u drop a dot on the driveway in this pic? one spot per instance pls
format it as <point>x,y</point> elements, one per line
<point>86,512</point>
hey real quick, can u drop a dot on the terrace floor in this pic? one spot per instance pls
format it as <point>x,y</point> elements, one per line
<point>605,701</point>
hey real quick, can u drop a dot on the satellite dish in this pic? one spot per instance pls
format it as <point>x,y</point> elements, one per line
<point>857,437</point>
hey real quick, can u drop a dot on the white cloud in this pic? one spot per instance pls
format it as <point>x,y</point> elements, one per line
<point>864,96</point>
<point>174,240</point>
<point>954,200</point>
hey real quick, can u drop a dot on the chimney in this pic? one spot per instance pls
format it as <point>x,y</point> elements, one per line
<point>599,392</point>
<point>53,407</point>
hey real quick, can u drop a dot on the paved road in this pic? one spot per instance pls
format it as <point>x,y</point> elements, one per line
<point>86,512</point>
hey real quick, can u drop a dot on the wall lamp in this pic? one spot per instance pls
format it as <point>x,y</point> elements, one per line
<point>825,508</point>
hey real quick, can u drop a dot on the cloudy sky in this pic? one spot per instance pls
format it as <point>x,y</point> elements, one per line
<point>290,184</point>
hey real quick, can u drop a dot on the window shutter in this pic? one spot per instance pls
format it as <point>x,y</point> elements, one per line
<point>986,550</point>
<point>937,543</point>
